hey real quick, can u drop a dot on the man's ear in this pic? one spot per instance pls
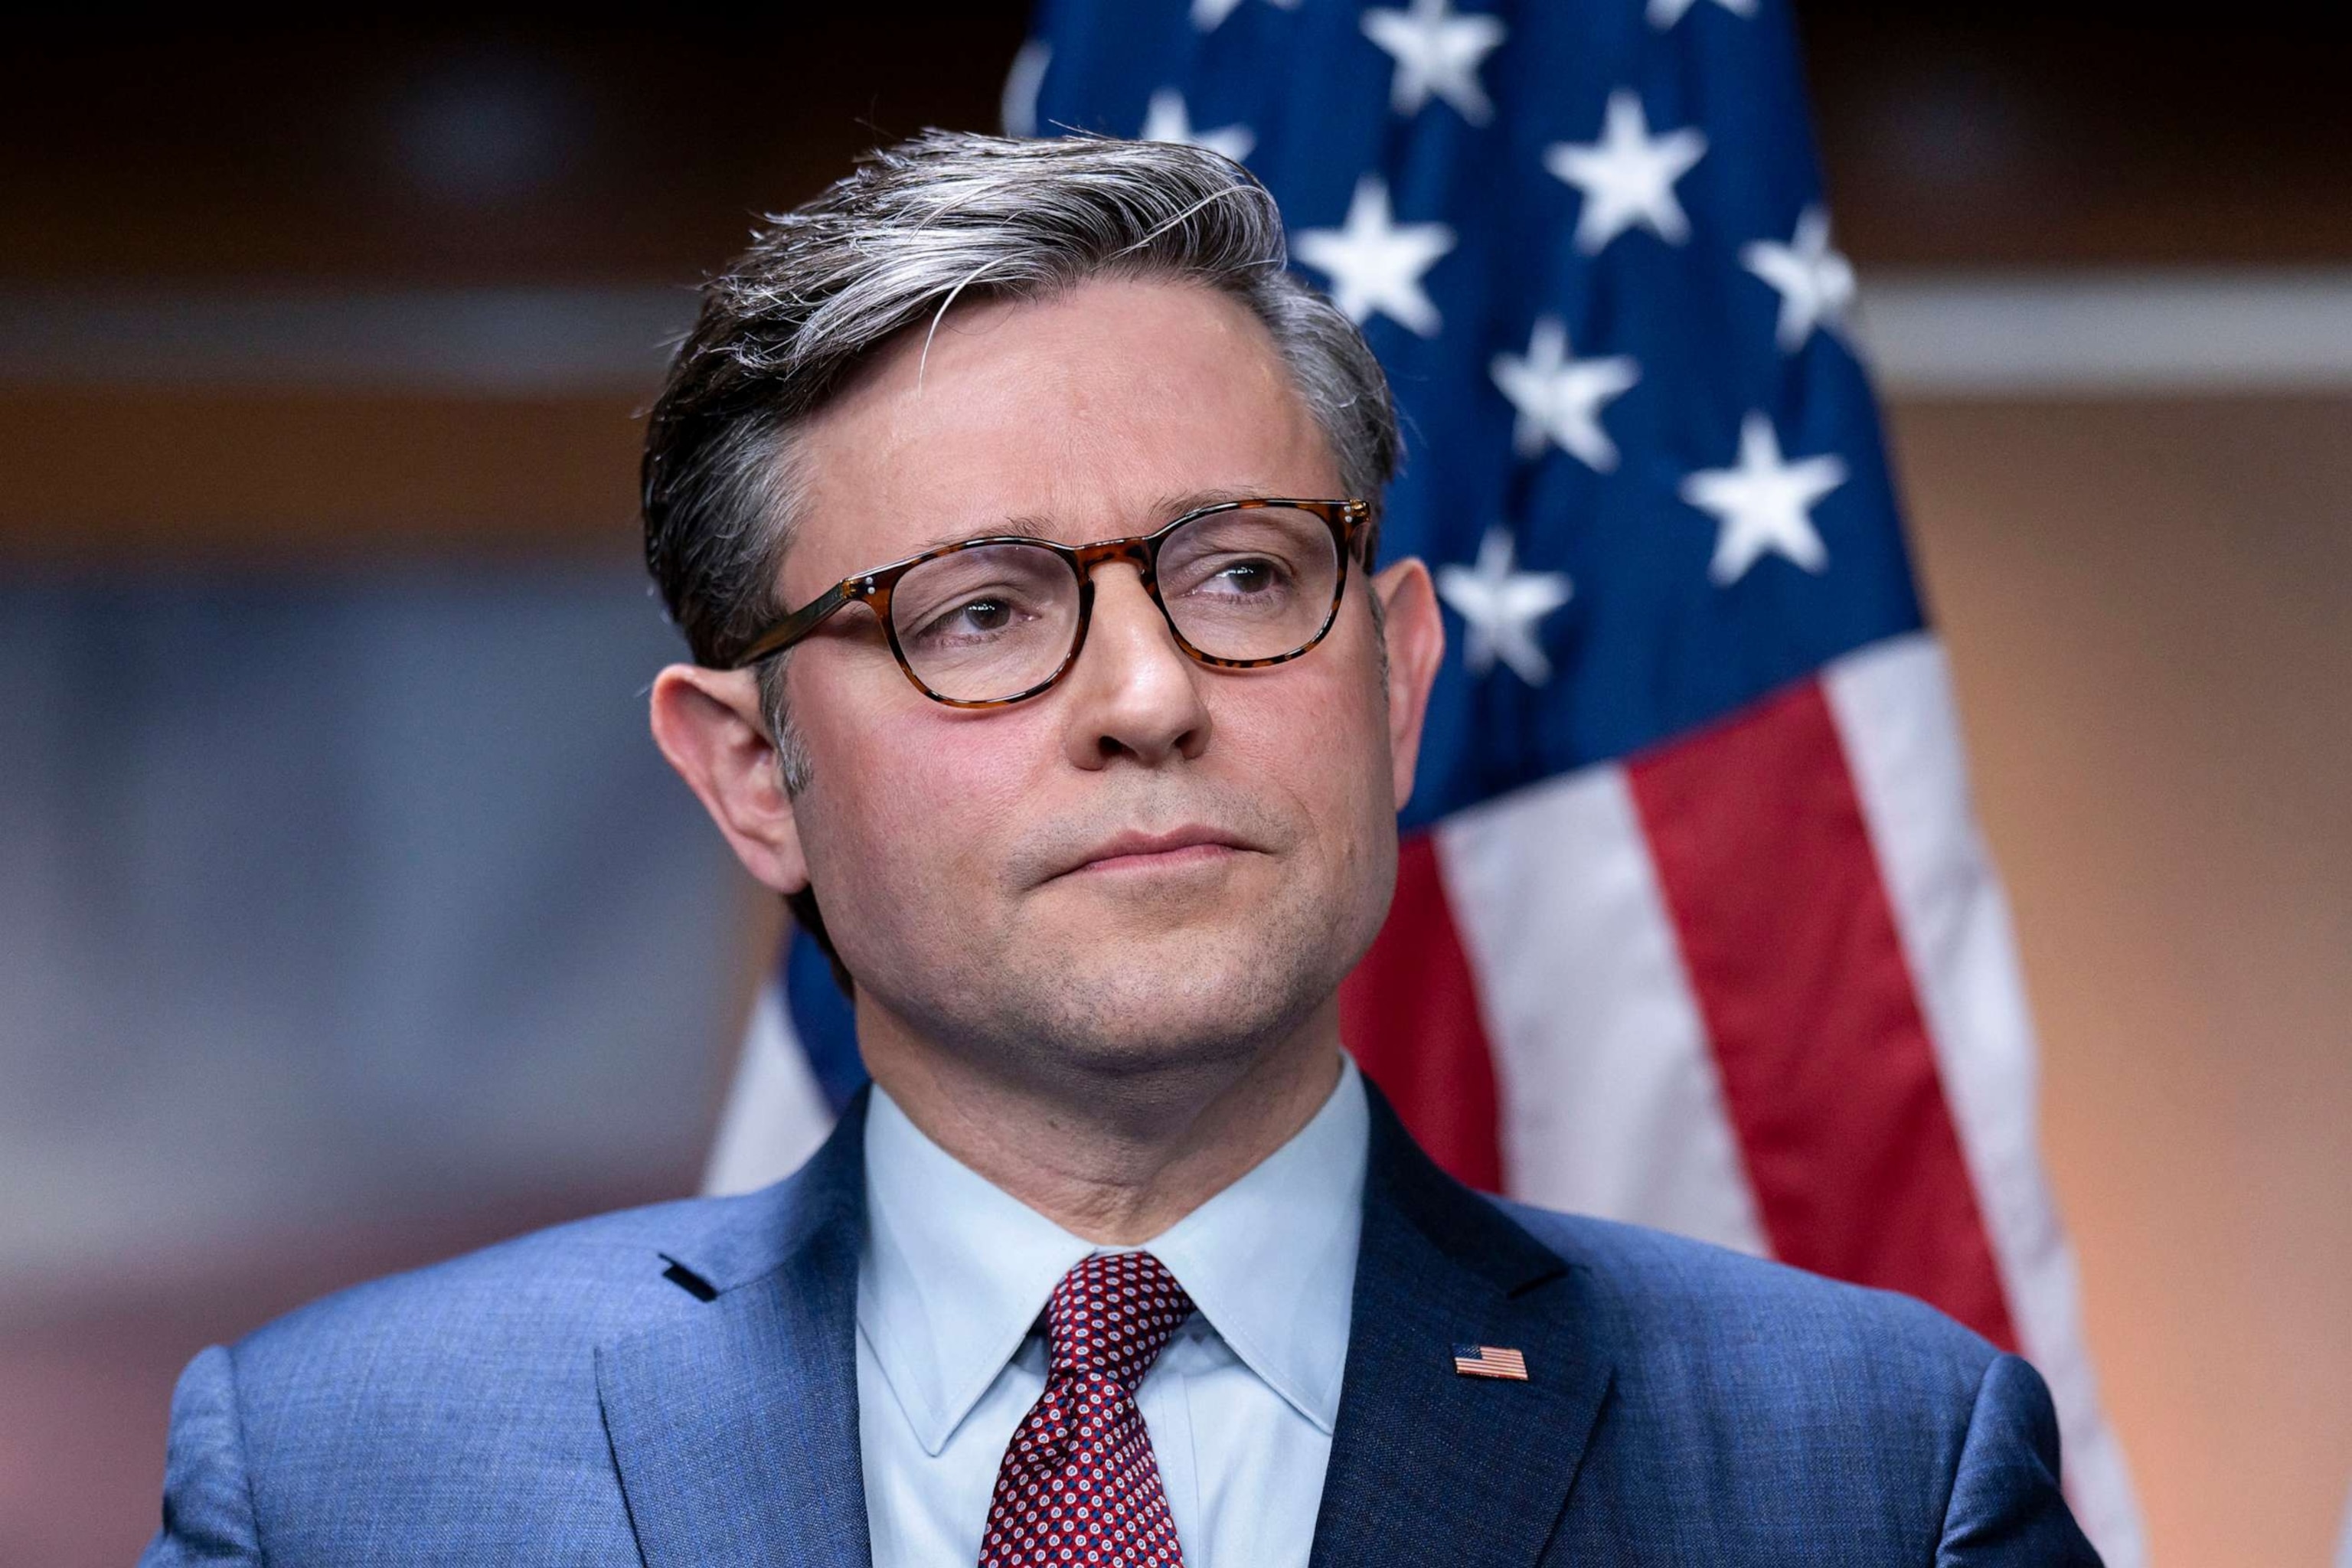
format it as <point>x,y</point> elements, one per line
<point>708,723</point>
<point>1416,643</point>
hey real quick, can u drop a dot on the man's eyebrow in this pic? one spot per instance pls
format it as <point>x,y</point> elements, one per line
<point>1169,506</point>
<point>1027,525</point>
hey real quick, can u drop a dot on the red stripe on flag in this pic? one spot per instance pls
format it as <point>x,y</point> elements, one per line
<point>1409,1015</point>
<point>1828,1072</point>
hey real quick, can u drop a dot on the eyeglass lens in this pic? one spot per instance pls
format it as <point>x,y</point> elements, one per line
<point>991,621</point>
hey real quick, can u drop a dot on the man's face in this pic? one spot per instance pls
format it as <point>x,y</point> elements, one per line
<point>1154,860</point>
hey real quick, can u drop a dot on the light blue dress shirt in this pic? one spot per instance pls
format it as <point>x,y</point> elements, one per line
<point>951,1345</point>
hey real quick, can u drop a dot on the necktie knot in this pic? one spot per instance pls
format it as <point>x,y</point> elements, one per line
<point>1112,1315</point>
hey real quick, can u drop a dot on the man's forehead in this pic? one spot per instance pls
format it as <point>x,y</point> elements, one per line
<point>1097,412</point>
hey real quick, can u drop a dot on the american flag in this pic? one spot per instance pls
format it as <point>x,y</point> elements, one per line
<point>1490,1360</point>
<point>1694,926</point>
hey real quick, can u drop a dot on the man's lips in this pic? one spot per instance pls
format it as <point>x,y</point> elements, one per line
<point>1177,848</point>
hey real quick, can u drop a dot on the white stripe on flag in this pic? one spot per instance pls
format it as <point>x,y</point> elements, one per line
<point>776,1114</point>
<point>1611,1103</point>
<point>1894,708</point>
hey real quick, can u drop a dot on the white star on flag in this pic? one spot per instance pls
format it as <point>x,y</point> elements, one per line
<point>1628,177</point>
<point>1500,606</point>
<point>1376,262</point>
<point>1208,14</point>
<point>1665,13</point>
<point>1560,398</point>
<point>1164,120</point>
<point>1764,503</point>
<point>1815,283</point>
<point>1018,106</point>
<point>1436,52</point>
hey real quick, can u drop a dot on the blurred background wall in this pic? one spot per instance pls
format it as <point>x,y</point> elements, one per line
<point>348,918</point>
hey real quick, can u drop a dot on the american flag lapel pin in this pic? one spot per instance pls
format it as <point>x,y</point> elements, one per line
<point>1490,1360</point>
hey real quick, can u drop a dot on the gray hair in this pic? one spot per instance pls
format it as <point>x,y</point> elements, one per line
<point>913,228</point>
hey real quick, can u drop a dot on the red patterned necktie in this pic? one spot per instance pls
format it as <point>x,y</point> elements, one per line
<point>1079,1484</point>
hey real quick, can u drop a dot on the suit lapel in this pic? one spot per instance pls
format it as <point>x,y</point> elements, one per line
<point>1428,1466</point>
<point>735,1430</point>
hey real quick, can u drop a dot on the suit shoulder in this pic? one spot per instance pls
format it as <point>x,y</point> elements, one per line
<point>454,1407</point>
<point>567,1284</point>
<point>1682,1298</point>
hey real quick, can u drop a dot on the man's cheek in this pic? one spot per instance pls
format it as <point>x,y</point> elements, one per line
<point>940,820</point>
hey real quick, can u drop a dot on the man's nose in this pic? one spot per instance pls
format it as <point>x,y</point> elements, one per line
<point>1134,692</point>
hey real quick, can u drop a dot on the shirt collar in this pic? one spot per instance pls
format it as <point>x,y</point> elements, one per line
<point>956,1271</point>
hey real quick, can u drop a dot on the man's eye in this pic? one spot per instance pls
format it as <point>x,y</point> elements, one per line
<point>984,614</point>
<point>973,618</point>
<point>1248,577</point>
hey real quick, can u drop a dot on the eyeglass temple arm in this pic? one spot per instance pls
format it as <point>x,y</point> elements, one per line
<point>800,623</point>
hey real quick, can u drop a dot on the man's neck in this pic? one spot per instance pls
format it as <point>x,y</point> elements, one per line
<point>1115,1168</point>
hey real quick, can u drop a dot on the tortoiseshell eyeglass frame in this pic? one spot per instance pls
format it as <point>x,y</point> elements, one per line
<point>1350,522</point>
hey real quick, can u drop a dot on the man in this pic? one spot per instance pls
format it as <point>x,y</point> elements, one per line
<point>1020,510</point>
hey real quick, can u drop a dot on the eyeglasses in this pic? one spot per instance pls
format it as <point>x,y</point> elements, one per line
<point>991,621</point>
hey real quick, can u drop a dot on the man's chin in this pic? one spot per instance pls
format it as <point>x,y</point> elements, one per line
<point>1180,937</point>
<point>1162,998</point>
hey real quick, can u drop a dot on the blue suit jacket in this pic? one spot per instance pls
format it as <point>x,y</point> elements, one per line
<point>678,1384</point>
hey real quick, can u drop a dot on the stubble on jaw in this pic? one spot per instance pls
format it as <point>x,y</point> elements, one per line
<point>1105,1103</point>
<point>1072,1008</point>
